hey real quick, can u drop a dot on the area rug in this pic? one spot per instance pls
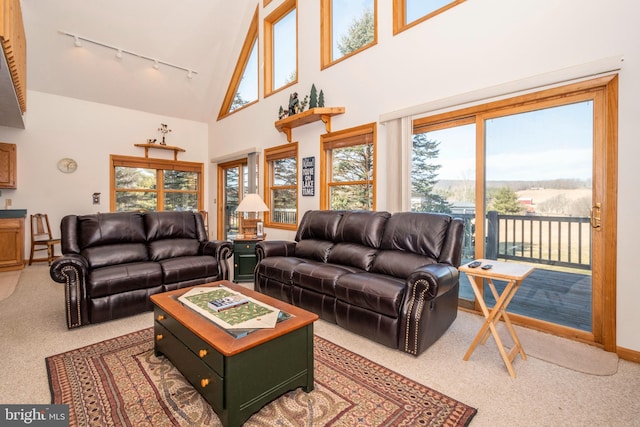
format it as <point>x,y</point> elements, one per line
<point>121,382</point>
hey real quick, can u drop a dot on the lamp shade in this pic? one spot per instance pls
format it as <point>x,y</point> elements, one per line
<point>252,203</point>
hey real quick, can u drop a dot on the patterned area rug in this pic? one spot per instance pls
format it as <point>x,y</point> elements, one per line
<point>121,382</point>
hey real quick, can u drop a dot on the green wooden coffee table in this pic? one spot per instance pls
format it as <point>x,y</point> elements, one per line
<point>237,376</point>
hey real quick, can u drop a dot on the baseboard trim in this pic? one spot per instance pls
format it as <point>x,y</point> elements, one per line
<point>628,354</point>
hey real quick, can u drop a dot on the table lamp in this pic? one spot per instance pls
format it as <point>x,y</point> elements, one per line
<point>252,203</point>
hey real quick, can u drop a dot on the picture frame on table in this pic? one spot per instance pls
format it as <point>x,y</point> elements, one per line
<point>259,229</point>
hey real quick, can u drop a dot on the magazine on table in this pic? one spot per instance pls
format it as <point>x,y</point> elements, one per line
<point>229,309</point>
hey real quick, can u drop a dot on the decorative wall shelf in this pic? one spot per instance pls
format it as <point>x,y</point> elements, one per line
<point>311,115</point>
<point>161,147</point>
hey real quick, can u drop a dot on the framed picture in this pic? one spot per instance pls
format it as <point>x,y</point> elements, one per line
<point>260,229</point>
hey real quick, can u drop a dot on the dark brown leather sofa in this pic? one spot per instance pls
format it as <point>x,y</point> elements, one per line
<point>113,262</point>
<point>390,278</point>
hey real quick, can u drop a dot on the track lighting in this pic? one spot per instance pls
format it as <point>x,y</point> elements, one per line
<point>77,41</point>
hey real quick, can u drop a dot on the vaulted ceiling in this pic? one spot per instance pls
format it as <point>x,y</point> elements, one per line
<point>202,35</point>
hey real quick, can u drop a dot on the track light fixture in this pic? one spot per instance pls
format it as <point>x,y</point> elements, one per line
<point>77,41</point>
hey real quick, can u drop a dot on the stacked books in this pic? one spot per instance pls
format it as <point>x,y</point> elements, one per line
<point>227,302</point>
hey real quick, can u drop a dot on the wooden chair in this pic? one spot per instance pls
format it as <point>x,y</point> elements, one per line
<point>42,239</point>
<point>205,218</point>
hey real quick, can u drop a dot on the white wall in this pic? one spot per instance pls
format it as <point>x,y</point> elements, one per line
<point>58,127</point>
<point>474,46</point>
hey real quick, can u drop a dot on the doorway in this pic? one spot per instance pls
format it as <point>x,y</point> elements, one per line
<point>534,179</point>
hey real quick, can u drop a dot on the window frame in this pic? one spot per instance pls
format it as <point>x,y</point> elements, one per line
<point>326,36</point>
<point>241,65</point>
<point>400,13</point>
<point>270,155</point>
<point>159,165</point>
<point>269,22</point>
<point>341,139</point>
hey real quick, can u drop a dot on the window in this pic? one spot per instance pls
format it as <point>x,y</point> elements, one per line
<point>140,183</point>
<point>407,13</point>
<point>281,48</point>
<point>347,165</point>
<point>347,27</point>
<point>243,88</point>
<point>281,186</point>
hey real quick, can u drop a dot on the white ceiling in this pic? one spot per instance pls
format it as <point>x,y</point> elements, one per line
<point>203,35</point>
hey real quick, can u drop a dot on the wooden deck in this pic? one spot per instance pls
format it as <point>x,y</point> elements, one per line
<point>554,296</point>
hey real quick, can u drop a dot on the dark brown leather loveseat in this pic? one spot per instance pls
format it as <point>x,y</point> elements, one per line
<point>113,262</point>
<point>390,278</point>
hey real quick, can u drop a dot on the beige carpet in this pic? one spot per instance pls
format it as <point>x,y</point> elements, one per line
<point>32,327</point>
<point>8,282</point>
<point>574,355</point>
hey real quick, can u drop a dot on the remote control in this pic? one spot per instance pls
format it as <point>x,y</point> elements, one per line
<point>474,264</point>
<point>487,267</point>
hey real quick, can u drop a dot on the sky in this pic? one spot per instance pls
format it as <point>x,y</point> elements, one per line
<point>554,143</point>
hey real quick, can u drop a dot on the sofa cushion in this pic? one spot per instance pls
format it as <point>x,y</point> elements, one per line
<point>317,250</point>
<point>112,228</point>
<point>320,277</point>
<point>320,225</point>
<point>186,268</point>
<point>102,256</point>
<point>363,227</point>
<point>375,292</point>
<point>420,233</point>
<point>352,254</point>
<point>172,248</point>
<point>115,279</point>
<point>279,268</point>
<point>398,264</point>
<point>171,225</point>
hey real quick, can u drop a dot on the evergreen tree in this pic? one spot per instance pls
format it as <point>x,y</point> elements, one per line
<point>424,175</point>
<point>321,99</point>
<point>505,201</point>
<point>360,33</point>
<point>313,97</point>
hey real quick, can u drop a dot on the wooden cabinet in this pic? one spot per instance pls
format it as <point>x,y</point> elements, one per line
<point>11,244</point>
<point>8,165</point>
<point>244,260</point>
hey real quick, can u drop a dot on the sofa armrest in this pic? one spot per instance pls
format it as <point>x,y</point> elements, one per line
<point>72,270</point>
<point>433,280</point>
<point>423,288</point>
<point>221,250</point>
<point>267,248</point>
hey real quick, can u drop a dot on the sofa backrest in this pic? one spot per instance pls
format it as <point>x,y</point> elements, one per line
<point>316,234</point>
<point>358,237</point>
<point>117,237</point>
<point>173,234</point>
<point>413,239</point>
<point>105,239</point>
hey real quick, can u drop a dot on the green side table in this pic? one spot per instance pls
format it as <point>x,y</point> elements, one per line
<point>244,259</point>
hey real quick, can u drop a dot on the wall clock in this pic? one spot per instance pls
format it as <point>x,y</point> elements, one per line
<point>67,165</point>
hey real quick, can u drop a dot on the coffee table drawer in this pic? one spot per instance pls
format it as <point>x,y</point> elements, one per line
<point>204,351</point>
<point>199,374</point>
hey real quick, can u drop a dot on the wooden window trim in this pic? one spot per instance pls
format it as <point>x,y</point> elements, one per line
<point>250,39</point>
<point>157,164</point>
<point>399,15</point>
<point>269,22</point>
<point>326,39</point>
<point>364,134</point>
<point>277,153</point>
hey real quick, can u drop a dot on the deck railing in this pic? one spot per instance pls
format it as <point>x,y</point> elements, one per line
<point>549,240</point>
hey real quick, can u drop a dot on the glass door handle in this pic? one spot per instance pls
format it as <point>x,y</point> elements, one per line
<point>595,215</point>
